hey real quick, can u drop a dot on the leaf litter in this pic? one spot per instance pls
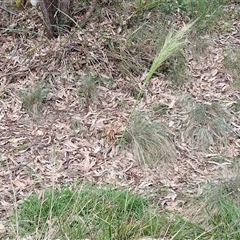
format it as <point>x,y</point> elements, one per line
<point>67,142</point>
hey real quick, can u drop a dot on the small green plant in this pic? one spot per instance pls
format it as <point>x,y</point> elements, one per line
<point>237,106</point>
<point>76,126</point>
<point>232,64</point>
<point>88,91</point>
<point>21,147</point>
<point>159,109</point>
<point>177,70</point>
<point>207,126</point>
<point>33,99</point>
<point>171,46</point>
<point>151,141</point>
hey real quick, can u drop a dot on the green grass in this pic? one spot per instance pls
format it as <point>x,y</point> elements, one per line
<point>166,6</point>
<point>207,11</point>
<point>223,209</point>
<point>33,99</point>
<point>88,92</point>
<point>90,212</point>
<point>172,45</point>
<point>237,106</point>
<point>225,213</point>
<point>232,64</point>
<point>217,210</point>
<point>97,213</point>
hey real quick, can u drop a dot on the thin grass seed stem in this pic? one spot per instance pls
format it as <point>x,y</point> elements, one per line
<point>171,45</point>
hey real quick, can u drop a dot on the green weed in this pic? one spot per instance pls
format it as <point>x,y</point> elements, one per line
<point>88,91</point>
<point>76,126</point>
<point>237,106</point>
<point>232,64</point>
<point>33,99</point>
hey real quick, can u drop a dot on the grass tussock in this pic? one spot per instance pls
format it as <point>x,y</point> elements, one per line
<point>151,141</point>
<point>232,64</point>
<point>207,126</point>
<point>224,214</point>
<point>222,209</point>
<point>177,70</point>
<point>33,99</point>
<point>88,91</point>
<point>217,211</point>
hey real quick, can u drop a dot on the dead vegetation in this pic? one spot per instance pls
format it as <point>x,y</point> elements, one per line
<point>94,76</point>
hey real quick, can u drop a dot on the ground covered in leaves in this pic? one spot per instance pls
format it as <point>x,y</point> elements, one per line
<point>91,78</point>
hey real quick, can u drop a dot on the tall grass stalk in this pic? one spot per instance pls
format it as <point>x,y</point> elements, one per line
<point>172,45</point>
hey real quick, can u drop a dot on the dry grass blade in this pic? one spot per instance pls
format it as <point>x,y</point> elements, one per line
<point>207,126</point>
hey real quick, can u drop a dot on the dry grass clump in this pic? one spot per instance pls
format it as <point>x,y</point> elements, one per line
<point>207,126</point>
<point>151,141</point>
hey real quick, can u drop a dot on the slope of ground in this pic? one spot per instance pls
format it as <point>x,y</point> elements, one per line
<point>75,133</point>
